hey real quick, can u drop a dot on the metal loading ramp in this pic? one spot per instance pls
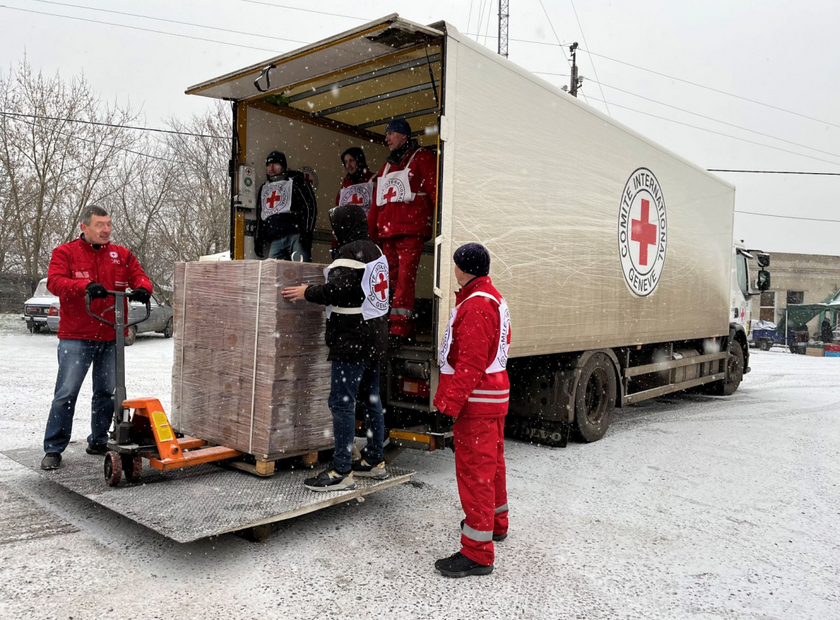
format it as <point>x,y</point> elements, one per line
<point>206,500</point>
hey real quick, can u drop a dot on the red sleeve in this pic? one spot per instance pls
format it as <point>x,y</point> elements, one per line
<point>60,280</point>
<point>137,278</point>
<point>372,216</point>
<point>475,334</point>
<point>428,170</point>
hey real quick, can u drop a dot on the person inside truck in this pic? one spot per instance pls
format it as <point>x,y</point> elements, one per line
<point>357,186</point>
<point>90,266</point>
<point>474,389</point>
<point>287,212</point>
<point>356,296</point>
<point>401,220</point>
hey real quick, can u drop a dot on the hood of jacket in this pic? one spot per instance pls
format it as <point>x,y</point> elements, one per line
<point>349,223</point>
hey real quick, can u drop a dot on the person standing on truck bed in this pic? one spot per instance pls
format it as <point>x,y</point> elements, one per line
<point>356,296</point>
<point>401,219</point>
<point>357,187</point>
<point>288,210</point>
<point>474,389</point>
<point>90,265</point>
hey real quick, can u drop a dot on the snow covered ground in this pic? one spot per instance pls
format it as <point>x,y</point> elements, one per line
<point>690,507</point>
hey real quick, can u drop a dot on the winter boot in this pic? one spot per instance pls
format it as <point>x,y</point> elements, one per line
<point>51,460</point>
<point>459,565</point>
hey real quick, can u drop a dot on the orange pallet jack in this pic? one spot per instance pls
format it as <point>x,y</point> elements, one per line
<point>145,433</point>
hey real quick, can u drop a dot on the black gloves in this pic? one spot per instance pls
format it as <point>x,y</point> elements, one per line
<point>139,294</point>
<point>96,290</point>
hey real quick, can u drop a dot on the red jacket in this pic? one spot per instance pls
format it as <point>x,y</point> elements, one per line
<point>471,391</point>
<point>415,217</point>
<point>367,176</point>
<point>76,264</point>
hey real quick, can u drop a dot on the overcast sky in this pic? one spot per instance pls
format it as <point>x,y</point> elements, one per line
<point>781,53</point>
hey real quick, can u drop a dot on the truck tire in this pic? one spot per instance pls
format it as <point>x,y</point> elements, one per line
<point>764,344</point>
<point>595,398</point>
<point>131,336</point>
<point>734,372</point>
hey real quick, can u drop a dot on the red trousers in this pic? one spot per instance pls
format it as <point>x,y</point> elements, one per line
<point>482,484</point>
<point>403,255</point>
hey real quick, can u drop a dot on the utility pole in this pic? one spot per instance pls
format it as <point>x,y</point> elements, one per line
<point>575,80</point>
<point>504,15</point>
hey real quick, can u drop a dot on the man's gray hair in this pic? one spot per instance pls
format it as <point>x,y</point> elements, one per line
<point>89,212</point>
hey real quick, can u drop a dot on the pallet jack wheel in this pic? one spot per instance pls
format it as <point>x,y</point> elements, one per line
<point>113,468</point>
<point>132,467</point>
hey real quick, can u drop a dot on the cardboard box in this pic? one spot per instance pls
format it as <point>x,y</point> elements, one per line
<point>814,351</point>
<point>250,369</point>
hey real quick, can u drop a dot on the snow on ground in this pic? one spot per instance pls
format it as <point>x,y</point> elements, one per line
<point>690,507</point>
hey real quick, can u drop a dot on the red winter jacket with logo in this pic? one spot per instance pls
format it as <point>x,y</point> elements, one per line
<point>76,264</point>
<point>407,218</point>
<point>475,343</point>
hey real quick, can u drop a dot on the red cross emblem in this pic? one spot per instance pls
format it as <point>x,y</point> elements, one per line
<point>274,198</point>
<point>309,178</point>
<point>644,232</point>
<point>355,200</point>
<point>390,194</point>
<point>381,287</point>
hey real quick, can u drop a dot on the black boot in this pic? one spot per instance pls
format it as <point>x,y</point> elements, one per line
<point>51,460</point>
<point>459,565</point>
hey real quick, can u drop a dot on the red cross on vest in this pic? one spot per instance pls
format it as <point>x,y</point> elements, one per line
<point>309,177</point>
<point>644,232</point>
<point>275,197</point>
<point>391,193</point>
<point>355,200</point>
<point>381,287</point>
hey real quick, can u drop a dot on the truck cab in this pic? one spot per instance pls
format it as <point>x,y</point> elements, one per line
<point>749,278</point>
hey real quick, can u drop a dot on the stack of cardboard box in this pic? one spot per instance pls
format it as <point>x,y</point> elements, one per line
<point>250,369</point>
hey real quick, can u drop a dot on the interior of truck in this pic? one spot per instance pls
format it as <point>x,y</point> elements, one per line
<point>316,102</point>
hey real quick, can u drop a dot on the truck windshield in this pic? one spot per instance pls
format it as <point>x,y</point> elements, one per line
<point>743,281</point>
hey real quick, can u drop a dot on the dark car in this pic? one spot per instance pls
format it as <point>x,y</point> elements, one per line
<point>160,319</point>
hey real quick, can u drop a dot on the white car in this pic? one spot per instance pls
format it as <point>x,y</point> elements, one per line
<point>36,309</point>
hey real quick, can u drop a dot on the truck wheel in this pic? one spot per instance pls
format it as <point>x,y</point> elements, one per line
<point>167,331</point>
<point>595,398</point>
<point>734,372</point>
<point>764,344</point>
<point>36,328</point>
<point>131,336</point>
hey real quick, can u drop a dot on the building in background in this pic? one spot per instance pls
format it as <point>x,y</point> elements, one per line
<point>797,279</point>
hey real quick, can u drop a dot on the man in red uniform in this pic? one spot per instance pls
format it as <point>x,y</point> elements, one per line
<point>358,185</point>
<point>90,265</point>
<point>474,389</point>
<point>401,219</point>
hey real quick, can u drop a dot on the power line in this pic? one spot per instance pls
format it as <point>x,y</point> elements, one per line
<point>117,126</point>
<point>606,105</point>
<point>169,21</point>
<point>816,174</point>
<point>766,135</point>
<point>171,34</point>
<point>725,135</point>
<point>294,8</point>
<point>788,217</point>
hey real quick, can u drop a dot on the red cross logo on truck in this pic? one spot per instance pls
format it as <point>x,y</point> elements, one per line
<point>381,287</point>
<point>644,232</point>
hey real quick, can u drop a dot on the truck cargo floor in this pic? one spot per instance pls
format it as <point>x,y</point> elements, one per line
<point>200,501</point>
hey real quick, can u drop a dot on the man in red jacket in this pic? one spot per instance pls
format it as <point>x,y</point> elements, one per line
<point>90,265</point>
<point>474,389</point>
<point>401,219</point>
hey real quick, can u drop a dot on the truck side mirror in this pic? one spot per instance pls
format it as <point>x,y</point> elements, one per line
<point>763,280</point>
<point>763,261</point>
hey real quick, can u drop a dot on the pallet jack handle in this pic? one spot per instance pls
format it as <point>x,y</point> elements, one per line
<point>119,325</point>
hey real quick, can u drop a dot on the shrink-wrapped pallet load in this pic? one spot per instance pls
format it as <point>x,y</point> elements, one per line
<point>250,369</point>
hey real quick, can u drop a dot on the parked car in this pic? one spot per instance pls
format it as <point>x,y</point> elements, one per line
<point>160,319</point>
<point>36,309</point>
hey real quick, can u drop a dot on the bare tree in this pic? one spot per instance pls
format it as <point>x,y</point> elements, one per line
<point>52,166</point>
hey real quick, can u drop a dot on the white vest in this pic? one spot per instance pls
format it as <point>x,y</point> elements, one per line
<point>276,197</point>
<point>395,186</point>
<point>374,286</point>
<point>359,194</point>
<point>502,350</point>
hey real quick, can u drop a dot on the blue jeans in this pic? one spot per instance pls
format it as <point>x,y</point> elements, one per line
<point>288,247</point>
<point>349,381</point>
<point>74,359</point>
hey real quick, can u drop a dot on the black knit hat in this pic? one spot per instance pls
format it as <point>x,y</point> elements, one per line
<point>399,125</point>
<point>276,157</point>
<point>473,258</point>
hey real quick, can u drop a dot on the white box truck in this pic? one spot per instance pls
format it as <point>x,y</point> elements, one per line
<point>615,255</point>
